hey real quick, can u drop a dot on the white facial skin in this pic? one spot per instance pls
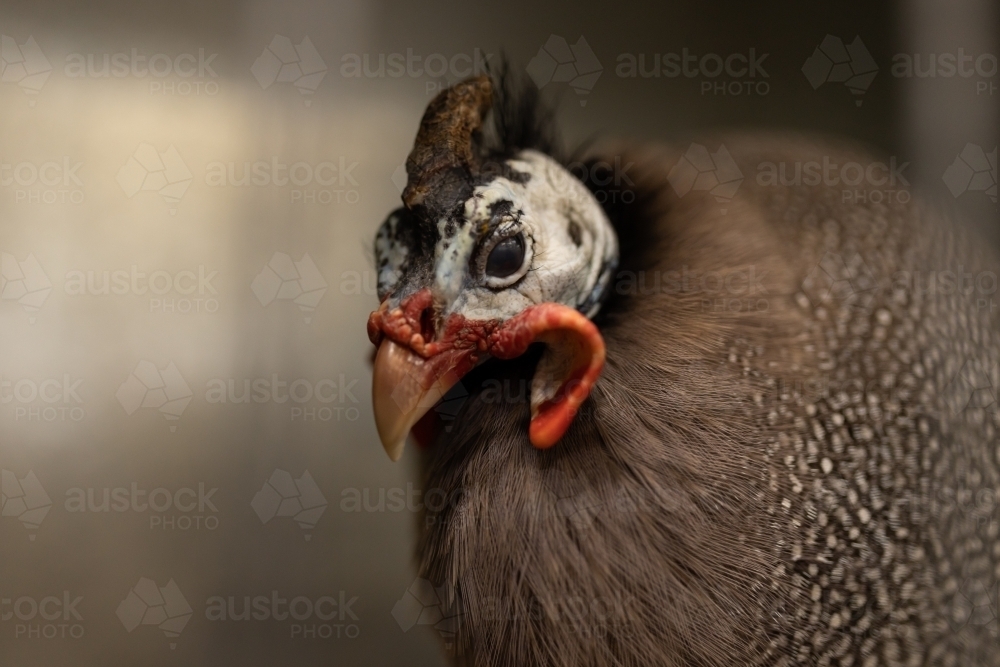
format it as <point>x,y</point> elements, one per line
<point>555,268</point>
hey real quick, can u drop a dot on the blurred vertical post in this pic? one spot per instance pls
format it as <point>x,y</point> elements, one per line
<point>942,114</point>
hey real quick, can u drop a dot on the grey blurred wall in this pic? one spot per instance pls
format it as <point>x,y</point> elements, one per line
<point>217,279</point>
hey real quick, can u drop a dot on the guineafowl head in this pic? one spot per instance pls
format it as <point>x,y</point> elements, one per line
<point>495,247</point>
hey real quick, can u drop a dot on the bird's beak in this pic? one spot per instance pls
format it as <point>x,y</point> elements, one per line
<point>405,386</point>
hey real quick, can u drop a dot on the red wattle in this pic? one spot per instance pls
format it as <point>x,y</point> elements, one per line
<point>569,333</point>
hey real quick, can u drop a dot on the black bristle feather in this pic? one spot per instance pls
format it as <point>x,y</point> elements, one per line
<point>520,118</point>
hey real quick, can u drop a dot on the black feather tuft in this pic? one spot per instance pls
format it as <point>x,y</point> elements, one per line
<point>520,119</point>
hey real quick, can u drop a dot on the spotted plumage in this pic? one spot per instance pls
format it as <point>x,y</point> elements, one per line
<point>790,457</point>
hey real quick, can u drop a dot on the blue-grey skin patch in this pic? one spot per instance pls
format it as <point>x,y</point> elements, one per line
<point>391,253</point>
<point>571,249</point>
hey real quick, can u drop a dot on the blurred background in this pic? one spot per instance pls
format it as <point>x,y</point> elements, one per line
<point>188,196</point>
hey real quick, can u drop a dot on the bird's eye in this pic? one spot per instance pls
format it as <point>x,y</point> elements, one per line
<point>506,257</point>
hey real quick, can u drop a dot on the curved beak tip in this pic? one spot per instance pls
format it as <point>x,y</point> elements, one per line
<point>394,448</point>
<point>404,388</point>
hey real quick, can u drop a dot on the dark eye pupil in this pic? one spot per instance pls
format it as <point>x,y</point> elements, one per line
<point>506,257</point>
